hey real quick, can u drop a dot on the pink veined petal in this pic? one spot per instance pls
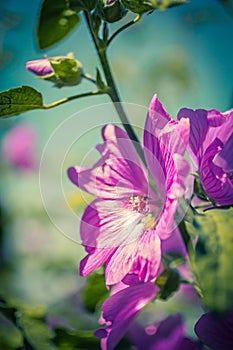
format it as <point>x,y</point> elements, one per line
<point>108,224</point>
<point>224,159</point>
<point>142,258</point>
<point>163,138</point>
<point>198,131</point>
<point>40,67</point>
<point>214,180</point>
<point>121,308</point>
<point>118,174</point>
<point>94,259</point>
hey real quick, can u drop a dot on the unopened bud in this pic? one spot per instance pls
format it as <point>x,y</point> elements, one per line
<point>111,10</point>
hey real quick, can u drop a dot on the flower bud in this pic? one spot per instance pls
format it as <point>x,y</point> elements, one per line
<point>61,70</point>
<point>110,10</point>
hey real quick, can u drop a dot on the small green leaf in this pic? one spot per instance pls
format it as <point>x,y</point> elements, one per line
<point>94,292</point>
<point>100,84</point>
<point>213,258</point>
<point>67,339</point>
<point>168,281</point>
<point>56,21</point>
<point>79,5</point>
<point>19,100</point>
<point>10,336</point>
<point>37,333</point>
<point>142,6</point>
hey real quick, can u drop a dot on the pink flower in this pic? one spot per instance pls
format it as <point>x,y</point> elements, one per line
<point>211,149</point>
<point>19,145</point>
<point>124,226</point>
<point>120,310</point>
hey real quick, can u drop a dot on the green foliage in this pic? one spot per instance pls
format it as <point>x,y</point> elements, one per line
<point>79,5</point>
<point>10,335</point>
<point>81,340</point>
<point>94,292</point>
<point>37,333</point>
<point>56,21</point>
<point>67,71</point>
<point>213,257</point>
<point>18,100</point>
<point>141,6</point>
<point>100,84</point>
<point>168,281</point>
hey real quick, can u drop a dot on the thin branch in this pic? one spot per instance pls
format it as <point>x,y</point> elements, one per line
<point>89,78</point>
<point>75,97</point>
<point>127,25</point>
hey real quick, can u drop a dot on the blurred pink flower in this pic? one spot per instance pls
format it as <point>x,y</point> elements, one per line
<point>19,147</point>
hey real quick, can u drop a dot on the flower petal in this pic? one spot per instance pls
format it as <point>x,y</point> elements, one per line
<point>108,224</point>
<point>214,180</point>
<point>40,67</point>
<point>198,131</point>
<point>121,308</point>
<point>163,137</point>
<point>118,174</point>
<point>217,333</point>
<point>142,258</point>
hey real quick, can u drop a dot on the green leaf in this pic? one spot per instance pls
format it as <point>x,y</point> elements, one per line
<point>67,339</point>
<point>79,5</point>
<point>213,258</point>
<point>141,6</point>
<point>94,292</point>
<point>19,100</point>
<point>100,83</point>
<point>10,336</point>
<point>168,281</point>
<point>37,333</point>
<point>56,21</point>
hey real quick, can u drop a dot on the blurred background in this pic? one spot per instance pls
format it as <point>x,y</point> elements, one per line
<point>183,54</point>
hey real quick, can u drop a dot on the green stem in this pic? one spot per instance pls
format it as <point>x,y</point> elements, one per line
<point>89,78</point>
<point>186,239</point>
<point>75,97</point>
<point>113,92</point>
<point>127,25</point>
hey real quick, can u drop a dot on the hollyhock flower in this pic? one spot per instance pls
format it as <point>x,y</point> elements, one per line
<point>166,334</point>
<point>120,310</point>
<point>216,332</point>
<point>125,224</point>
<point>18,147</point>
<point>211,149</point>
<point>41,67</point>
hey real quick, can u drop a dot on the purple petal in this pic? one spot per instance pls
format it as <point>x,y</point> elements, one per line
<point>93,260</point>
<point>224,159</point>
<point>198,131</point>
<point>121,308</point>
<point>163,138</point>
<point>216,332</point>
<point>118,174</point>
<point>215,181</point>
<point>163,336</point>
<point>142,258</point>
<point>41,67</point>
